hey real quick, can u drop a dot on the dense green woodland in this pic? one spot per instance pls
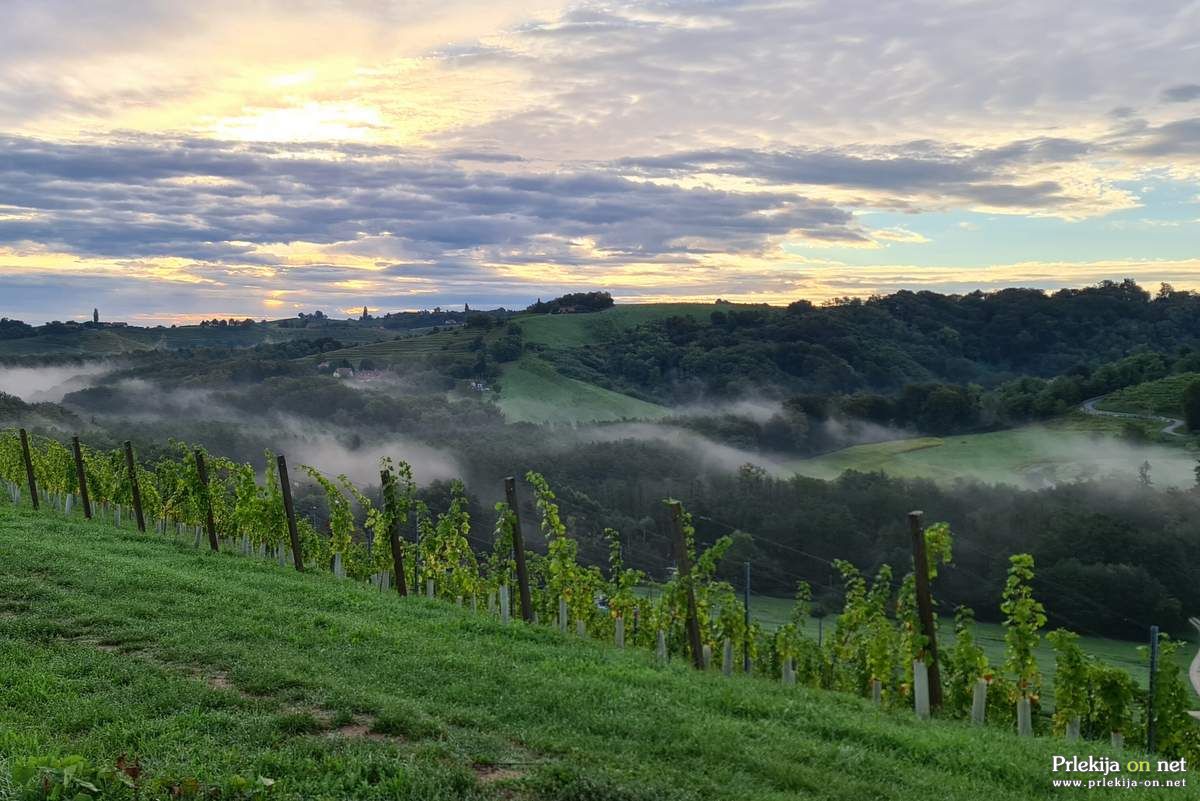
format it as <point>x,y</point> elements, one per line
<point>1112,559</point>
<point>887,342</point>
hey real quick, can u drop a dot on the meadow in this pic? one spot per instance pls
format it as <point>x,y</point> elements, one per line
<point>533,391</point>
<point>1031,456</point>
<point>204,667</point>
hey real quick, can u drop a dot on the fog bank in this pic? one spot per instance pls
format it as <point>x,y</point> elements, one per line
<point>48,384</point>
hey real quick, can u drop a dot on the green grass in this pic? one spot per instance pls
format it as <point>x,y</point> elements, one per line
<point>573,330</point>
<point>209,665</point>
<point>531,390</point>
<point>1162,397</point>
<point>1030,456</point>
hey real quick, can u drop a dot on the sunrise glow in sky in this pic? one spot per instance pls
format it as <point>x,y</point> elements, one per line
<point>169,161</point>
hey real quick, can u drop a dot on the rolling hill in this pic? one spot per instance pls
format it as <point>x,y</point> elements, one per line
<point>530,389</point>
<point>403,350</point>
<point>205,667</point>
<point>570,330</point>
<point>84,341</point>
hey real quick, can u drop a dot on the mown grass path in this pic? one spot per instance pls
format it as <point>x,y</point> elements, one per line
<point>205,665</point>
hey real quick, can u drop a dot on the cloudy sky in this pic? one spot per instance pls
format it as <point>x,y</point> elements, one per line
<point>167,161</point>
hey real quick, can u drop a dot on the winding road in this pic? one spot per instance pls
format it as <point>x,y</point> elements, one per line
<point>1172,424</point>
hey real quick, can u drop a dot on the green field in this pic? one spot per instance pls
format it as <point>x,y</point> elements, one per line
<point>573,330</point>
<point>531,390</point>
<point>1162,397</point>
<point>1031,456</point>
<point>201,666</point>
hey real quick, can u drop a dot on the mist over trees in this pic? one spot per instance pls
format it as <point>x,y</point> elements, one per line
<point>753,383</point>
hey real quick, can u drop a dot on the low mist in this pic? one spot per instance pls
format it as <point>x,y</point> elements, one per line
<point>329,454</point>
<point>332,450</point>
<point>48,384</point>
<point>711,456</point>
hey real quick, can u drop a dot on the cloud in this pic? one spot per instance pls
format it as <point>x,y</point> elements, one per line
<point>334,151</point>
<point>1173,139</point>
<point>909,172</point>
<point>1182,93</point>
<point>208,202</point>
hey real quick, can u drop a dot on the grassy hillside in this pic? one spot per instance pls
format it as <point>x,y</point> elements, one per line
<point>401,350</point>
<point>204,666</point>
<point>531,390</point>
<point>572,330</point>
<point>88,341</point>
<point>85,342</point>
<point>1028,456</point>
<point>1164,396</point>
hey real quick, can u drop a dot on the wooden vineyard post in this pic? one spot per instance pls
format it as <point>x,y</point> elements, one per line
<point>289,510</point>
<point>510,496</point>
<point>921,689</point>
<point>33,496</point>
<point>1151,720</point>
<point>979,702</point>
<point>81,477</point>
<point>685,573</point>
<point>388,482</point>
<point>746,612</point>
<point>134,489</point>
<point>209,524</point>
<point>925,606</point>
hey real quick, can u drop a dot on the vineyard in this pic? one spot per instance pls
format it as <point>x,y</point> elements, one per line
<point>884,646</point>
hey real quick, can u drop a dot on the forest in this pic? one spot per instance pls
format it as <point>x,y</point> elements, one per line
<point>886,343</point>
